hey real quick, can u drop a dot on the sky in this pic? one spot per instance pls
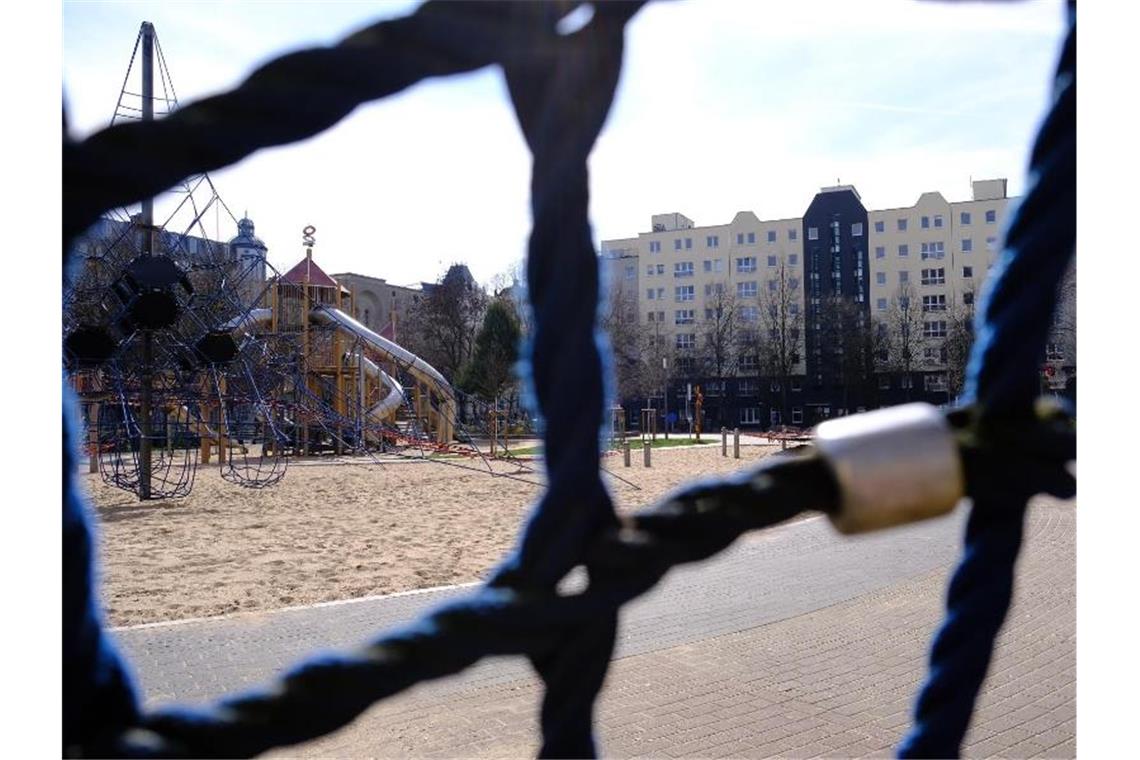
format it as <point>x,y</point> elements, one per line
<point>722,107</point>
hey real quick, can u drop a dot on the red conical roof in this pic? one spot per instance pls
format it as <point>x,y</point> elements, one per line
<point>316,275</point>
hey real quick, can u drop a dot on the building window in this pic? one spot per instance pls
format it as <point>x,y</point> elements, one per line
<point>649,270</point>
<point>904,276</point>
<point>967,245</point>
<point>880,252</point>
<point>771,236</point>
<point>714,287</point>
<point>794,309</point>
<point>934,276</point>
<point>655,246</point>
<point>649,294</point>
<point>684,317</point>
<point>746,264</point>
<point>906,381</point>
<point>750,313</point>
<point>688,243</point>
<point>991,243</point>
<point>630,271</point>
<point>712,241</point>
<point>685,293</point>
<point>746,289</point>
<point>934,303</point>
<point>740,238</point>
<point>750,415</point>
<point>660,269</point>
<point>935,383</point>
<point>793,259</point>
<point>968,297</point>
<point>683,269</point>
<point>880,278</point>
<point>902,224</point>
<point>935,250</point>
<point>879,226</point>
<point>793,283</point>
<point>747,387</point>
<point>934,329</point>
<point>937,220</point>
<point>925,222</point>
<point>749,363</point>
<point>1054,353</point>
<point>792,233</point>
<point>773,285</point>
<point>751,237</point>
<point>714,265</point>
<point>797,415</point>
<point>686,341</point>
<point>965,218</point>
<point>904,250</point>
<point>771,261</point>
<point>813,233</point>
<point>881,304</point>
<point>967,271</point>
<point>991,216</point>
<point>677,244</point>
<point>857,229</point>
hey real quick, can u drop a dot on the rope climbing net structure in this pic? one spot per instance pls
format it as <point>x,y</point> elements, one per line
<point>865,471</point>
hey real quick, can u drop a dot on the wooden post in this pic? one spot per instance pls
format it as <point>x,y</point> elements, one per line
<point>736,443</point>
<point>646,448</point>
<point>724,442</point>
<point>93,436</point>
<point>625,452</point>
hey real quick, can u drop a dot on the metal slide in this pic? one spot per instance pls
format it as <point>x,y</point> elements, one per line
<point>405,359</point>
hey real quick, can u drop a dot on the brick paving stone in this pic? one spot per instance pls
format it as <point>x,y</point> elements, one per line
<point>799,644</point>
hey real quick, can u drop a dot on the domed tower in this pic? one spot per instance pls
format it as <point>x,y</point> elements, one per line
<point>248,253</point>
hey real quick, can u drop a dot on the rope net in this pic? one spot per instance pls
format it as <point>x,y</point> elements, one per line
<point>561,87</point>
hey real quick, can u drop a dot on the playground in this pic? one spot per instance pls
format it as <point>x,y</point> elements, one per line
<point>339,529</point>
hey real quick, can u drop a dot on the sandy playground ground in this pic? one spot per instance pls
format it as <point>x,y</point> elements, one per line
<point>333,531</point>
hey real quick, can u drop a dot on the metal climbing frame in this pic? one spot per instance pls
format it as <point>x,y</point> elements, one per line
<point>561,86</point>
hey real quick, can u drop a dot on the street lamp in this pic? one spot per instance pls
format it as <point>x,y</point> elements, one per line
<point>665,393</point>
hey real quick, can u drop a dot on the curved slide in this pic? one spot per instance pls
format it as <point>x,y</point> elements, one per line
<point>405,359</point>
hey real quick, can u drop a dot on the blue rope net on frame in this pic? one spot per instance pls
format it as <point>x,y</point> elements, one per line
<point>561,86</point>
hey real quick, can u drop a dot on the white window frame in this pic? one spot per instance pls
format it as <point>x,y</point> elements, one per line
<point>683,293</point>
<point>743,288</point>
<point>857,229</point>
<point>813,233</point>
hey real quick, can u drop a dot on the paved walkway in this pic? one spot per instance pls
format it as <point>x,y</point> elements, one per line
<point>795,643</point>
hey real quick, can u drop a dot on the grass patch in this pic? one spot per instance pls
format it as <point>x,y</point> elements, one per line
<point>635,444</point>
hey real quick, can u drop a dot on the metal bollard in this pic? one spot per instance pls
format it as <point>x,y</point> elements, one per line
<point>625,452</point>
<point>736,443</point>
<point>646,448</point>
<point>724,442</point>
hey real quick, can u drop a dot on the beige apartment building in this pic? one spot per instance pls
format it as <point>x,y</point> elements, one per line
<point>923,264</point>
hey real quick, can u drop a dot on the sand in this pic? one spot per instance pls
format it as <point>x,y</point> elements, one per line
<point>336,530</point>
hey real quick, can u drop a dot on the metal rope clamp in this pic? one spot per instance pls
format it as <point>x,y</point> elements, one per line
<point>893,466</point>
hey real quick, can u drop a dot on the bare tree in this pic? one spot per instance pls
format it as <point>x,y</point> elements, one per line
<point>848,347</point>
<point>958,344</point>
<point>904,333</point>
<point>442,326</point>
<point>779,342</point>
<point>619,320</point>
<point>718,331</point>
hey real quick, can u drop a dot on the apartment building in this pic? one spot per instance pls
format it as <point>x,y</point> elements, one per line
<point>904,277</point>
